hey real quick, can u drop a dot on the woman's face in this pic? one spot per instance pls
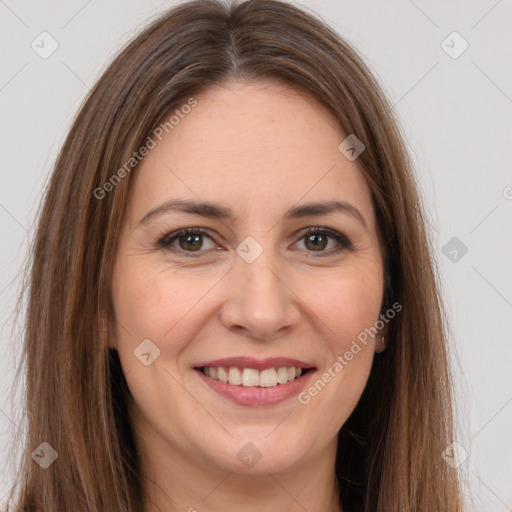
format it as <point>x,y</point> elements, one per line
<point>247,293</point>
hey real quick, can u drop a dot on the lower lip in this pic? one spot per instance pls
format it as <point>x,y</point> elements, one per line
<point>256,396</point>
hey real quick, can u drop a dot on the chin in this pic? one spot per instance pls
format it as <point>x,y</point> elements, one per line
<point>255,454</point>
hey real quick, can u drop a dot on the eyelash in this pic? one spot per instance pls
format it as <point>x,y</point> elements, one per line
<point>343,241</point>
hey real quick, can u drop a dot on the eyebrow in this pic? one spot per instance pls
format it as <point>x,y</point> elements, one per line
<point>219,211</point>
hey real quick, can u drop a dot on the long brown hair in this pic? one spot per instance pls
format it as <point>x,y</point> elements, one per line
<point>389,453</point>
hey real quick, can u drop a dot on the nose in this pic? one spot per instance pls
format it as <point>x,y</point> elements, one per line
<point>260,302</point>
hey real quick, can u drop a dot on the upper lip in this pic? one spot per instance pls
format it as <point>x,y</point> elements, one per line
<point>257,364</point>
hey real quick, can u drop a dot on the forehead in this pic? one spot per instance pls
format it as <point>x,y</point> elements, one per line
<point>257,147</point>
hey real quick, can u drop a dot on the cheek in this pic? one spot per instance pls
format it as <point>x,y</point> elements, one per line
<point>153,303</point>
<point>347,303</point>
<point>143,304</point>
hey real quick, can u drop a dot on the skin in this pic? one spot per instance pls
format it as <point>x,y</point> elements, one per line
<point>258,148</point>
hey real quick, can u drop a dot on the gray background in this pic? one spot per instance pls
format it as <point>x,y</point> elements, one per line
<point>456,113</point>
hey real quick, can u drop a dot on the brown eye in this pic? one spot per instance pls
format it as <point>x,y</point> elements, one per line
<point>186,240</point>
<point>318,240</point>
<point>190,242</point>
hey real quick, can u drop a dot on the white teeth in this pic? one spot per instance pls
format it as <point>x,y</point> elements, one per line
<point>223,374</point>
<point>282,375</point>
<point>268,378</point>
<point>235,377</point>
<point>249,377</point>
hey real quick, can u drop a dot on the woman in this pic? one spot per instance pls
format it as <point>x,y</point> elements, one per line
<point>232,301</point>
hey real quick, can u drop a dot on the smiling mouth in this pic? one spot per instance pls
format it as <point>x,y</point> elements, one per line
<point>253,378</point>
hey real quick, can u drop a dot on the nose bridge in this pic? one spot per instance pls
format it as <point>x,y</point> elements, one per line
<point>261,279</point>
<point>258,300</point>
